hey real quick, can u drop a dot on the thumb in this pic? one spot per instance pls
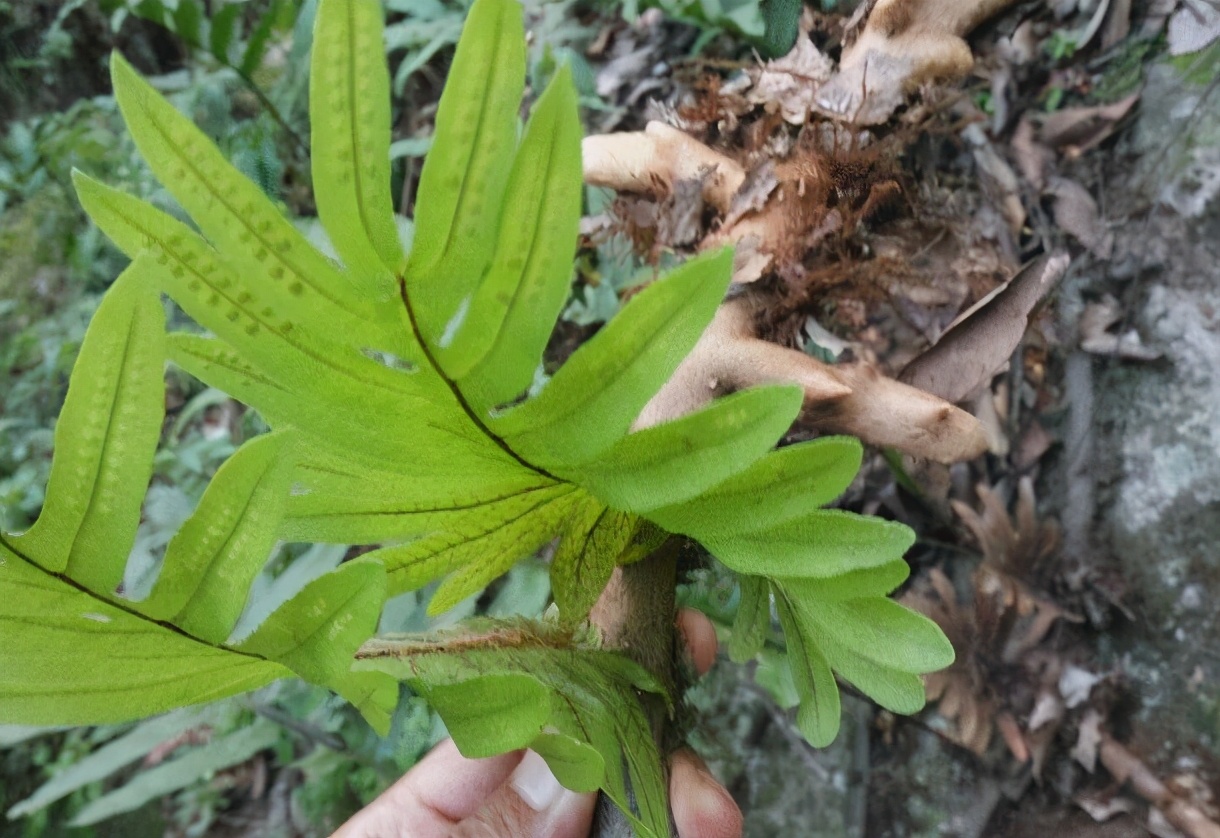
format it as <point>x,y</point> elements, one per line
<point>532,804</point>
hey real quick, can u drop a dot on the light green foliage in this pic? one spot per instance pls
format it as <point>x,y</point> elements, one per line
<point>397,388</point>
<point>184,752</point>
<point>80,652</point>
<point>828,573</point>
<point>504,685</point>
<point>223,752</point>
<point>770,25</point>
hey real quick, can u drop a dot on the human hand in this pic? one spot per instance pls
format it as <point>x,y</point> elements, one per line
<point>515,795</point>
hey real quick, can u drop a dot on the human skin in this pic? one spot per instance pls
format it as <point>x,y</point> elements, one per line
<point>514,795</point>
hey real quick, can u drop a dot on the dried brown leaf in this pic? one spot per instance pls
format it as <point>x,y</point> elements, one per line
<point>999,180</point>
<point>1074,131</point>
<point>752,196</point>
<point>789,84</point>
<point>902,46</point>
<point>1010,731</point>
<point>1095,337</point>
<point>970,353</point>
<point>1033,158</point>
<point>1118,23</point>
<point>1193,27</point>
<point>1088,740</point>
<point>1076,213</point>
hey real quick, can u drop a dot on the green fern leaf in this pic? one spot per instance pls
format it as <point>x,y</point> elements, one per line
<point>753,621</point>
<point>425,459</point>
<point>461,187</point>
<point>501,686</point>
<point>402,385</point>
<point>104,442</point>
<point>348,83</point>
<point>78,651</point>
<point>593,542</point>
<point>817,716</point>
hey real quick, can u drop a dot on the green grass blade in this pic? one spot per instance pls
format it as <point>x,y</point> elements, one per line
<point>211,562</point>
<point>181,771</point>
<point>595,396</point>
<point>104,440</point>
<point>461,187</point>
<point>111,757</point>
<point>349,105</point>
<point>499,345</point>
<point>677,460</point>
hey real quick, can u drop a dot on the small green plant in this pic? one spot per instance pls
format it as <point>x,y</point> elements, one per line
<point>1061,44</point>
<point>770,25</point>
<point>399,387</point>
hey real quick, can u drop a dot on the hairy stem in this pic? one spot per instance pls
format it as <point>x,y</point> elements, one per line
<point>636,616</point>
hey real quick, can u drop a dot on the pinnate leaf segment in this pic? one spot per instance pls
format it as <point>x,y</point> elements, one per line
<point>399,387</point>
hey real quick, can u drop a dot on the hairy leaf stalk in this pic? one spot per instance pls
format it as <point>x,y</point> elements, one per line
<point>636,616</point>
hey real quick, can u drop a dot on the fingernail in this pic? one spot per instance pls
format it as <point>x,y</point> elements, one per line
<point>534,783</point>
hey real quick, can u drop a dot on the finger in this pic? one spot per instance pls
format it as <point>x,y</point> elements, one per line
<point>700,636</point>
<point>702,807</point>
<point>532,804</point>
<point>433,797</point>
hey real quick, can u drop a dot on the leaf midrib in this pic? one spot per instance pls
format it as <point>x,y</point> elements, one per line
<point>478,132</point>
<point>115,399</point>
<point>354,123</point>
<point>122,605</point>
<point>271,249</point>
<point>457,392</point>
<point>427,510</point>
<point>218,556</point>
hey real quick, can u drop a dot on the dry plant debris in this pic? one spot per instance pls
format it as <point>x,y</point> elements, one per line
<point>842,398</point>
<point>1002,637</point>
<point>767,213</point>
<point>998,630</point>
<point>1193,27</point>
<point>980,343</point>
<point>903,45</point>
<point>1183,803</point>
<point>1096,337</point>
<point>846,246</point>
